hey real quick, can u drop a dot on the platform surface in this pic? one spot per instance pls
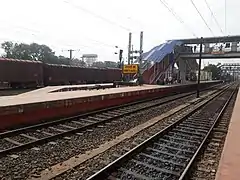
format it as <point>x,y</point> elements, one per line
<point>46,94</point>
<point>49,89</point>
<point>43,104</point>
<point>229,165</point>
<point>38,96</point>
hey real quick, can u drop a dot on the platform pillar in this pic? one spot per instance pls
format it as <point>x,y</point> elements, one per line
<point>206,48</point>
<point>182,70</point>
<point>234,47</point>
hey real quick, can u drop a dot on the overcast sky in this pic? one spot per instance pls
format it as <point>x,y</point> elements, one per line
<point>96,26</point>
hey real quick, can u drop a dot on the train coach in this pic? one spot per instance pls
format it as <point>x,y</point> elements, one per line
<point>21,73</point>
<point>25,73</point>
<point>64,74</point>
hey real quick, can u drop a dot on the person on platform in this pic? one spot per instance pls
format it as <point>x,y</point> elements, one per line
<point>221,48</point>
<point>195,48</point>
<point>170,80</point>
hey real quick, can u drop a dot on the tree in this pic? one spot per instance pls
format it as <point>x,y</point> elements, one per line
<point>105,64</point>
<point>78,62</point>
<point>8,48</point>
<point>17,51</point>
<point>98,64</point>
<point>22,51</point>
<point>111,64</point>
<point>41,52</point>
<point>216,71</point>
<point>32,51</point>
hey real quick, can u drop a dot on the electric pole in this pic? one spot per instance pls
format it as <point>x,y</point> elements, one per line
<point>120,58</point>
<point>131,57</point>
<point>199,68</point>
<point>71,52</point>
<point>140,59</point>
<point>129,47</point>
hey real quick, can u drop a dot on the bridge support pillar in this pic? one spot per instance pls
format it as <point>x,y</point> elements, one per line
<point>182,69</point>
<point>234,46</point>
<point>206,48</point>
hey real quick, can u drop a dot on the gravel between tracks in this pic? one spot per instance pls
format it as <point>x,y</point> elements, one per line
<point>32,161</point>
<point>93,165</point>
<point>207,164</point>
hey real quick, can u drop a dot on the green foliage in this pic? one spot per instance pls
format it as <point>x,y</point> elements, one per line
<point>45,54</point>
<point>32,51</point>
<point>108,64</point>
<point>77,62</point>
<point>215,69</point>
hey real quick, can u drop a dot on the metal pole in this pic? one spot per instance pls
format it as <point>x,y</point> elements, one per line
<point>120,58</point>
<point>141,48</point>
<point>140,57</point>
<point>132,58</point>
<point>225,17</point>
<point>120,62</point>
<point>129,47</point>
<point>71,54</point>
<point>199,67</point>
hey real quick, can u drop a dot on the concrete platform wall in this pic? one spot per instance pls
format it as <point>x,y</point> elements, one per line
<point>33,113</point>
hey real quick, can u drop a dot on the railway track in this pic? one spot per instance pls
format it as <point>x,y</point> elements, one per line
<point>170,153</point>
<point>31,136</point>
<point>207,165</point>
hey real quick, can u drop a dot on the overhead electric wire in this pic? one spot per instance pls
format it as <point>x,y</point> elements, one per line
<point>36,32</point>
<point>97,15</point>
<point>76,53</point>
<point>202,17</point>
<point>102,43</point>
<point>225,17</point>
<point>214,16</point>
<point>177,16</point>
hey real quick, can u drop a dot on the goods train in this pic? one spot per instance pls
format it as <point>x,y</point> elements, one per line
<point>25,73</point>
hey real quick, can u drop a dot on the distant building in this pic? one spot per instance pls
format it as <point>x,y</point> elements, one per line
<point>89,58</point>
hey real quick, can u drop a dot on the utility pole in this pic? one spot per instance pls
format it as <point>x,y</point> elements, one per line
<point>199,67</point>
<point>129,47</point>
<point>140,58</point>
<point>120,58</point>
<point>70,51</point>
<point>141,49</point>
<point>132,57</point>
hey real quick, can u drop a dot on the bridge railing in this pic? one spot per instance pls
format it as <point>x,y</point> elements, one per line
<point>215,50</point>
<point>155,77</point>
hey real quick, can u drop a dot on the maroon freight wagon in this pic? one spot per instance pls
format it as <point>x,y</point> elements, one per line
<point>21,73</point>
<point>30,73</point>
<point>113,74</point>
<point>65,74</point>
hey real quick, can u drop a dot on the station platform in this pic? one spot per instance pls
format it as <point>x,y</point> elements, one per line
<point>229,165</point>
<point>44,104</point>
<point>50,89</point>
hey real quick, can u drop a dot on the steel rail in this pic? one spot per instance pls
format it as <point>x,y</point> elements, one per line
<point>22,146</point>
<point>187,169</point>
<point>32,142</point>
<point>64,120</point>
<point>112,167</point>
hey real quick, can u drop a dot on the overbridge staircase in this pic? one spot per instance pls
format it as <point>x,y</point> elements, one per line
<point>160,59</point>
<point>157,70</point>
